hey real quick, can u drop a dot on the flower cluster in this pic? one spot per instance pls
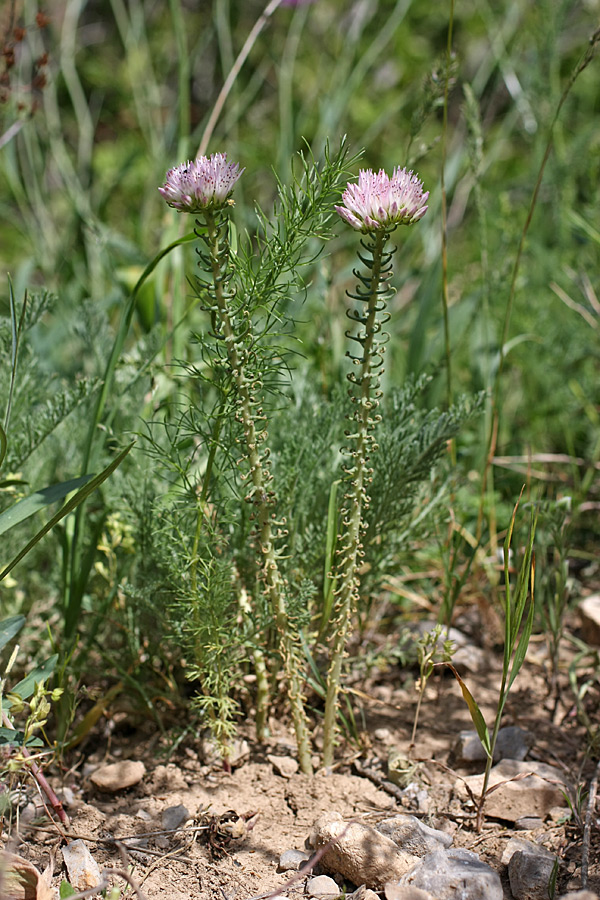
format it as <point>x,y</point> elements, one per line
<point>378,201</point>
<point>206,183</point>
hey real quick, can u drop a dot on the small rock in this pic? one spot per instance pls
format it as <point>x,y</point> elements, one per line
<point>362,893</point>
<point>118,776</point>
<point>286,766</point>
<point>66,796</point>
<point>322,886</point>
<point>239,752</point>
<point>530,872</point>
<point>417,797</point>
<point>382,734</point>
<point>515,844</point>
<point>529,823</point>
<point>533,795</point>
<point>83,869</point>
<point>558,815</point>
<point>412,835</point>
<point>469,658</point>
<point>143,814</point>
<point>589,614</point>
<point>174,816</point>
<point>140,842</point>
<point>455,875</point>
<point>292,860</point>
<point>406,892</point>
<point>360,853</point>
<point>512,743</point>
<point>579,895</point>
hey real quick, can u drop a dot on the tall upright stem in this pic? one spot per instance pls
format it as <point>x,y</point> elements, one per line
<point>358,472</point>
<point>250,415</point>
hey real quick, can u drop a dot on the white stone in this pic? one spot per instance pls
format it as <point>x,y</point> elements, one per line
<point>118,776</point>
<point>589,613</point>
<point>322,886</point>
<point>455,875</point>
<point>358,852</point>
<point>84,872</point>
<point>286,766</point>
<point>405,892</point>
<point>292,860</point>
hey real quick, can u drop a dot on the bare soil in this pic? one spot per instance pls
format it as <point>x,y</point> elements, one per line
<point>196,866</point>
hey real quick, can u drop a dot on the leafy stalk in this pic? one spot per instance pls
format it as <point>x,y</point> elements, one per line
<point>373,292</point>
<point>236,338</point>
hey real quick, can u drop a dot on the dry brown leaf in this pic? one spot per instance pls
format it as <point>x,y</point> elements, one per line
<point>20,880</point>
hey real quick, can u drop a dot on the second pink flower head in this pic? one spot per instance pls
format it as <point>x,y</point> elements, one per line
<point>206,183</point>
<point>378,201</point>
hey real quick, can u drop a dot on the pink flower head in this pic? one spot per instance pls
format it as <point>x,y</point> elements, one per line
<point>378,201</point>
<point>205,183</point>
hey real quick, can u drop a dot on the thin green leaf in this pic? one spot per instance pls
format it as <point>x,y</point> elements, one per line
<point>16,334</point>
<point>507,593</point>
<point>475,712</point>
<point>523,644</point>
<point>10,627</point>
<point>45,497</point>
<point>73,503</point>
<point>329,565</point>
<point>3,444</point>
<point>25,688</point>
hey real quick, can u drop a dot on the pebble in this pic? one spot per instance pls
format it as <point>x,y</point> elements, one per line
<point>455,875</point>
<point>530,872</point>
<point>286,766</point>
<point>417,796</point>
<point>174,816</point>
<point>589,614</point>
<point>363,893</point>
<point>292,860</point>
<point>84,872</point>
<point>529,823</point>
<point>118,776</point>
<point>359,853</point>
<point>211,753</point>
<point>579,895</point>
<point>143,814</point>
<point>67,796</point>
<point>512,743</point>
<point>322,886</point>
<point>406,892</point>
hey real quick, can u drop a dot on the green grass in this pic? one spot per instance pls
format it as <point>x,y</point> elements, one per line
<point>130,91</point>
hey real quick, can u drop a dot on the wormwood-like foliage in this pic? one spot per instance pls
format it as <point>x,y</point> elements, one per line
<point>411,440</point>
<point>269,511</point>
<point>38,404</point>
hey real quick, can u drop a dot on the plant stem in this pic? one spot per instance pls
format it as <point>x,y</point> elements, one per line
<point>253,423</point>
<point>358,475</point>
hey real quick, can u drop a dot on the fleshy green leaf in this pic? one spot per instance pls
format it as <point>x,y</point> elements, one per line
<point>25,688</point>
<point>10,627</point>
<point>16,738</point>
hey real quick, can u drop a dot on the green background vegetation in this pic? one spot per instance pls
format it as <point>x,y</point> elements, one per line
<point>130,87</point>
